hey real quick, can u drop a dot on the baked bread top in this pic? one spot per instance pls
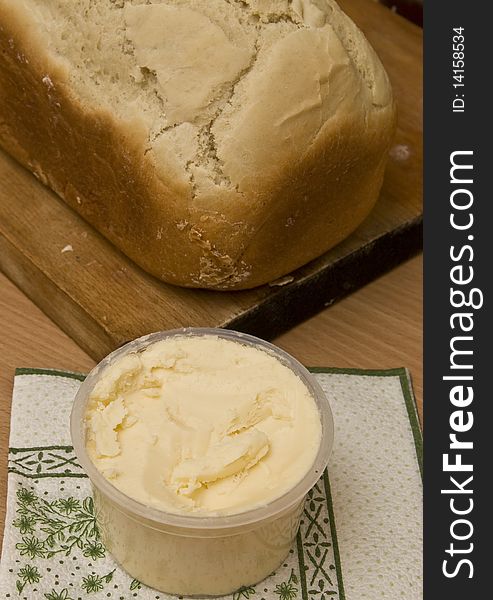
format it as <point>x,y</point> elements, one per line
<point>255,131</point>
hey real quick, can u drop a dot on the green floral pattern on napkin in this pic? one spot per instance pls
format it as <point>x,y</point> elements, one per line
<point>52,531</point>
<point>58,553</point>
<point>52,548</point>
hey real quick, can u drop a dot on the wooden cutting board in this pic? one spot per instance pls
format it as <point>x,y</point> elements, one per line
<point>101,299</point>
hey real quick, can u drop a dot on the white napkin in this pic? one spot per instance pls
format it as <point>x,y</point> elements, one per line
<point>361,531</point>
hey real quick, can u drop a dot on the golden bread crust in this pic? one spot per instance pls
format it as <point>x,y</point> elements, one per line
<point>268,220</point>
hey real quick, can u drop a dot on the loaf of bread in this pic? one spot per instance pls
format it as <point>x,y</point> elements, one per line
<point>218,143</point>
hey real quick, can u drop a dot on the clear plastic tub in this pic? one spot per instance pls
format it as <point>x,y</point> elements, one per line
<point>195,555</point>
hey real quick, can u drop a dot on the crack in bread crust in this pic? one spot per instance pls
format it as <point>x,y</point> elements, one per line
<point>207,143</point>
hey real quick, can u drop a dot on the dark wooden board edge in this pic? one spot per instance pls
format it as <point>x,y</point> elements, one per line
<point>282,309</point>
<point>305,297</point>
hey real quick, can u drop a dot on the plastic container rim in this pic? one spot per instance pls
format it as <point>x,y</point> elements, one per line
<point>211,522</point>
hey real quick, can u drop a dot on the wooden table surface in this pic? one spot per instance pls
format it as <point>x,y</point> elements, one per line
<point>379,326</point>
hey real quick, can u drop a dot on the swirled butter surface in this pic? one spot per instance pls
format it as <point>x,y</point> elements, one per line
<point>201,424</point>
